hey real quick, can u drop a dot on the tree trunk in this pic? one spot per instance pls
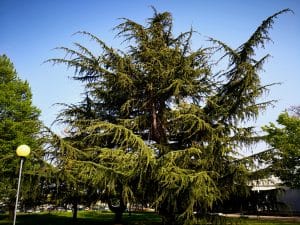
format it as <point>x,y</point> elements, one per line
<point>75,210</point>
<point>168,214</point>
<point>118,217</point>
<point>11,211</point>
<point>169,220</point>
<point>157,129</point>
<point>117,208</point>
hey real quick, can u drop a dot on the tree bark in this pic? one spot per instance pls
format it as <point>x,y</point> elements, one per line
<point>75,210</point>
<point>117,209</point>
<point>169,220</point>
<point>11,211</point>
<point>158,133</point>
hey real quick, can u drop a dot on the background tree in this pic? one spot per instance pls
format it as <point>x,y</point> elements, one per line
<point>67,188</point>
<point>19,124</point>
<point>284,139</point>
<point>166,126</point>
<point>295,110</point>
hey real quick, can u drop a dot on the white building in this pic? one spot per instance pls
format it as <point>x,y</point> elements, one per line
<point>289,197</point>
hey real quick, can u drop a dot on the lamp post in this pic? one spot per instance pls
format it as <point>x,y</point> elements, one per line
<point>22,151</point>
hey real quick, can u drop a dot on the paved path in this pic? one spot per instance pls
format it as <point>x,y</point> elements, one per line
<point>280,218</point>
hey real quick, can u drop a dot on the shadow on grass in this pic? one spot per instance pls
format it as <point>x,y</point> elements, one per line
<point>98,218</point>
<point>56,219</point>
<point>86,218</point>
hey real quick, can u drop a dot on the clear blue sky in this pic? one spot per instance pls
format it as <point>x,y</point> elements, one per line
<point>30,29</point>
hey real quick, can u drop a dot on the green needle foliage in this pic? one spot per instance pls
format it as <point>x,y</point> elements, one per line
<point>159,124</point>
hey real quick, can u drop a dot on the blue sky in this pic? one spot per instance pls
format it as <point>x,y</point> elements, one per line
<point>30,29</point>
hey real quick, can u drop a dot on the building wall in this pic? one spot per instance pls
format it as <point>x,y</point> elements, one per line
<point>291,197</point>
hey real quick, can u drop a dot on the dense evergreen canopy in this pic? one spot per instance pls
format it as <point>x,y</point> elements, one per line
<point>159,124</point>
<point>19,124</point>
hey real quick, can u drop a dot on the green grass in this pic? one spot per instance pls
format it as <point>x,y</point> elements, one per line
<point>84,218</point>
<point>106,218</point>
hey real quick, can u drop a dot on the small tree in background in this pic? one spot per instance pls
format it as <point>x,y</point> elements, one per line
<point>19,124</point>
<point>165,125</point>
<point>284,139</point>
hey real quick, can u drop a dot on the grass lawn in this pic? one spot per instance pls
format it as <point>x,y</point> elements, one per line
<point>105,218</point>
<point>84,218</point>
